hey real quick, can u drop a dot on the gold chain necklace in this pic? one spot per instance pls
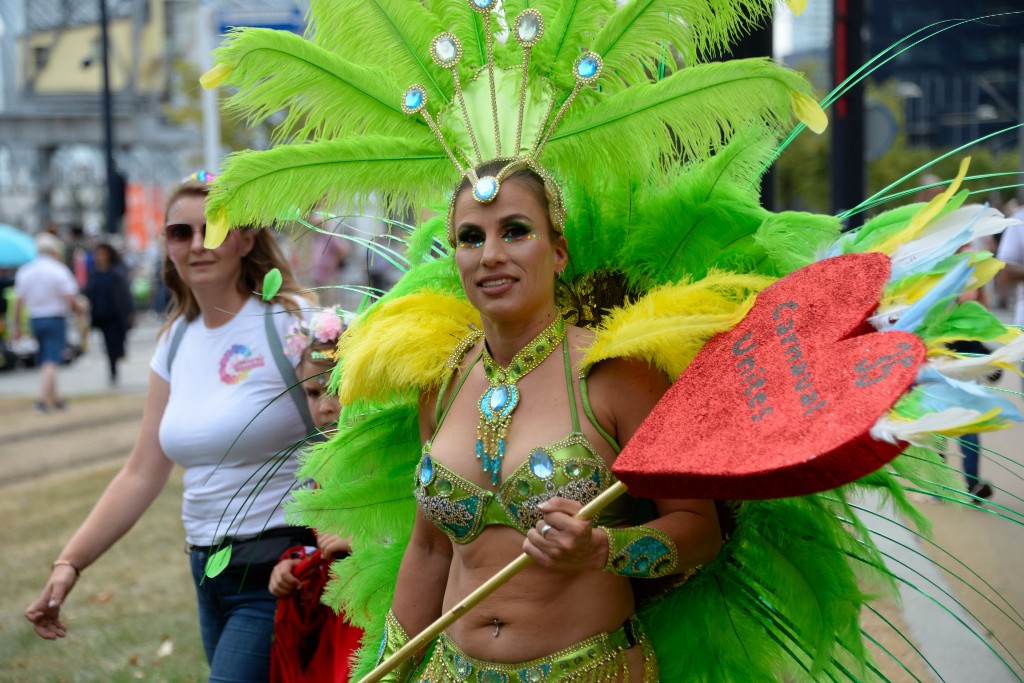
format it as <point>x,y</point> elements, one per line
<point>502,397</point>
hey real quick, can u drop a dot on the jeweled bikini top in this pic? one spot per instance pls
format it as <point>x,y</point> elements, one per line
<point>569,468</point>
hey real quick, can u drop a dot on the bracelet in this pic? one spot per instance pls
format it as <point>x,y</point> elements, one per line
<point>640,551</point>
<point>66,563</point>
<point>395,636</point>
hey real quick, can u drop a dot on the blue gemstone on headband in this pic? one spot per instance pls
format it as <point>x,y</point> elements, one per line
<point>587,67</point>
<point>483,4</point>
<point>485,189</point>
<point>413,98</point>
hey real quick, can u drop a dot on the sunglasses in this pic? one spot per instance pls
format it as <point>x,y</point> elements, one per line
<point>181,233</point>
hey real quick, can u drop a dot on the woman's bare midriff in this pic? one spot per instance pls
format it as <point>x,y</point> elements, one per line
<point>538,612</point>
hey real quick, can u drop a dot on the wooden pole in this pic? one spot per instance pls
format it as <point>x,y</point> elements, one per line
<point>421,640</point>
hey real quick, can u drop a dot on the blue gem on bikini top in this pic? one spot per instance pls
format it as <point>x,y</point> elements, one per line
<point>567,469</point>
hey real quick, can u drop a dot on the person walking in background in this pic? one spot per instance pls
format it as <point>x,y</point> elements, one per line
<point>970,444</point>
<point>110,303</point>
<point>222,352</point>
<point>46,289</point>
<point>1011,252</point>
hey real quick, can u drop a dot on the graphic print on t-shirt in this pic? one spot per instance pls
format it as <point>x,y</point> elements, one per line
<point>236,363</point>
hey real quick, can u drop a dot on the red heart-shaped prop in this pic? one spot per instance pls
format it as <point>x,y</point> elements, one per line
<point>782,404</point>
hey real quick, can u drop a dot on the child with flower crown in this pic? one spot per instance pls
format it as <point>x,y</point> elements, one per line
<point>311,642</point>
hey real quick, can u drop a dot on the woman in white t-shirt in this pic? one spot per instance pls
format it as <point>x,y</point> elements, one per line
<point>218,364</point>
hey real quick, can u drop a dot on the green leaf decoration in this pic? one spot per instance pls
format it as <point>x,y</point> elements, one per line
<point>217,562</point>
<point>271,284</point>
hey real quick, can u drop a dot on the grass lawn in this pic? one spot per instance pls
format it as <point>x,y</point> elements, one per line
<point>132,616</point>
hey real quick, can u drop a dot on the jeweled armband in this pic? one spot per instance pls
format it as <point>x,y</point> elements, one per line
<point>640,551</point>
<point>395,636</point>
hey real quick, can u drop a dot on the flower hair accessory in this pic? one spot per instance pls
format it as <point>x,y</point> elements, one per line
<point>325,327</point>
<point>199,176</point>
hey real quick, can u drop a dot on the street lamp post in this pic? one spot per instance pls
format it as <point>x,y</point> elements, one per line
<point>847,172</point>
<point>115,184</point>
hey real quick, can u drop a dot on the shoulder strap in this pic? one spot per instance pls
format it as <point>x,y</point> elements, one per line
<point>286,369</point>
<point>442,410</point>
<point>177,333</point>
<point>572,392</point>
<point>593,419</point>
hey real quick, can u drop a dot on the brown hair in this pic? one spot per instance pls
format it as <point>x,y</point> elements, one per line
<point>264,256</point>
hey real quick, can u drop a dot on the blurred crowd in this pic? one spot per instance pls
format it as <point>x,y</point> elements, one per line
<point>116,284</point>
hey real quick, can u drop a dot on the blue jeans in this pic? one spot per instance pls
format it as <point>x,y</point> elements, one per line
<point>236,622</point>
<point>970,446</point>
<point>52,336</point>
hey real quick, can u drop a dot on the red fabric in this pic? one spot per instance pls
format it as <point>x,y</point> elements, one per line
<point>312,644</point>
<point>781,405</point>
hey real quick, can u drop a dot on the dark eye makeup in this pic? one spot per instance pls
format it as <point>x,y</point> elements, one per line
<point>471,237</point>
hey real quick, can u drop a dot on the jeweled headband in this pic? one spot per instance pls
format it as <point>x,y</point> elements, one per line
<point>481,130</point>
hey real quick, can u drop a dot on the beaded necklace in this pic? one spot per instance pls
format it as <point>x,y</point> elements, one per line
<point>502,397</point>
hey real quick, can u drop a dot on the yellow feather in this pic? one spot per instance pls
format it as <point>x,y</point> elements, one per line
<point>808,111</point>
<point>216,229</point>
<point>925,215</point>
<point>215,76</point>
<point>401,344</point>
<point>984,270</point>
<point>911,290</point>
<point>987,422</point>
<point>669,325</point>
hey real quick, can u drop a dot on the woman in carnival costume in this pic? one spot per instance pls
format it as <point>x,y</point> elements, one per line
<point>454,381</point>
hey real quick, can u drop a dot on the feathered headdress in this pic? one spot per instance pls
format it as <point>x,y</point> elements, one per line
<point>349,87</point>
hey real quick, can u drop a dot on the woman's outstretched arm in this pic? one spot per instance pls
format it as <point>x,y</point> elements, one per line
<point>126,498</point>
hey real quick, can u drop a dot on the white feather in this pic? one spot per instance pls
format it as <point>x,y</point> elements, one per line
<point>920,432</point>
<point>978,367</point>
<point>949,233</point>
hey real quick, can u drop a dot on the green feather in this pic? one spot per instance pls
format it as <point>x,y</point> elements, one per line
<point>717,24</point>
<point>891,222</point>
<point>364,477</point>
<point>637,36</point>
<point>260,188</point>
<point>794,239</point>
<point>275,70</point>
<point>780,602</point>
<point>693,112</point>
<point>704,215</point>
<point>697,223</point>
<point>968,320</point>
<point>567,33</point>
<point>391,34</point>
<point>468,26</point>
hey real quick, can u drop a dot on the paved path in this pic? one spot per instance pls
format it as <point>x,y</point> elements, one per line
<point>87,376</point>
